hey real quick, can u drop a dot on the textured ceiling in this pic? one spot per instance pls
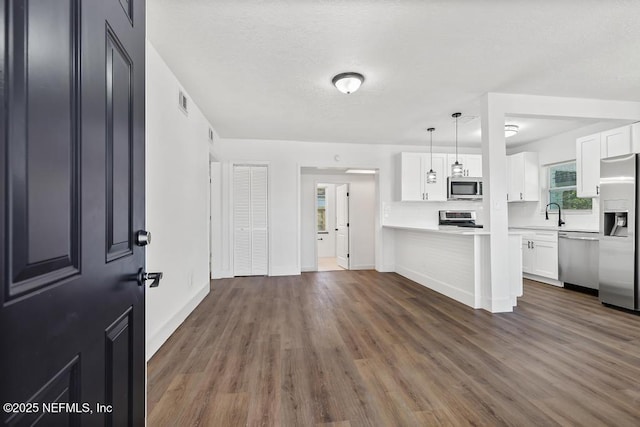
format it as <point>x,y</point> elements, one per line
<point>263,69</point>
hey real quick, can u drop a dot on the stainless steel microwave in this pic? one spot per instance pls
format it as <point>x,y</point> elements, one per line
<point>464,188</point>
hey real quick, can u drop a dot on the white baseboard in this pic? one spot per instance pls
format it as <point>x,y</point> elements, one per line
<point>546,280</point>
<point>155,341</point>
<point>386,268</point>
<point>444,288</point>
<point>308,269</point>
<point>222,274</point>
<point>363,267</point>
<point>283,271</point>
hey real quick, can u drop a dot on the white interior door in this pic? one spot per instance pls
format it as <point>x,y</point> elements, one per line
<point>342,225</point>
<point>250,221</point>
<point>241,221</point>
<point>259,249</point>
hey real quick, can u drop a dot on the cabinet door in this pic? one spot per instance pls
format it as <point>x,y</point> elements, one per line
<point>588,166</point>
<point>437,191</point>
<point>531,178</point>
<point>527,255</point>
<point>515,175</point>
<point>524,177</point>
<point>411,180</point>
<point>615,142</point>
<point>473,165</point>
<point>546,259</point>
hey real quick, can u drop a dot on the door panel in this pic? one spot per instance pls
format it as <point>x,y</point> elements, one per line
<point>616,142</point>
<point>43,246</point>
<point>588,165</point>
<point>411,180</point>
<point>119,150</point>
<point>342,225</point>
<point>72,191</point>
<point>250,210</point>
<point>546,259</point>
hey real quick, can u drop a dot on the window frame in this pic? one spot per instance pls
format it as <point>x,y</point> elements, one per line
<point>318,187</point>
<point>546,191</point>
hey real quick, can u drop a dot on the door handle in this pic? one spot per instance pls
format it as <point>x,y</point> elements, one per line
<point>520,196</point>
<point>143,276</point>
<point>597,189</point>
<point>143,238</point>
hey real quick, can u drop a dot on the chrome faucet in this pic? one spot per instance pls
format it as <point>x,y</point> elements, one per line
<point>546,213</point>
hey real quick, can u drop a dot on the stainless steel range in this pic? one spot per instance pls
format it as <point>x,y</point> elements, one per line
<point>458,218</point>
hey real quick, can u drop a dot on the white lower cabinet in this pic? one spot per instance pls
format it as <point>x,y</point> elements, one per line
<point>527,254</point>
<point>540,254</point>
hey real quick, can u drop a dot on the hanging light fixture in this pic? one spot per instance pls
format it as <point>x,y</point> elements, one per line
<point>431,176</point>
<point>456,168</point>
<point>348,82</point>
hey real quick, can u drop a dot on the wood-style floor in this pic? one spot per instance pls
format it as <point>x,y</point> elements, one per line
<point>328,264</point>
<point>356,348</point>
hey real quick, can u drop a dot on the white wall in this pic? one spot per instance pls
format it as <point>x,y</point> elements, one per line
<point>362,205</point>
<point>285,159</point>
<point>177,203</point>
<point>556,149</point>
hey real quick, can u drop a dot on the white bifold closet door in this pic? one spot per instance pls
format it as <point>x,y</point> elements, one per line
<point>250,247</point>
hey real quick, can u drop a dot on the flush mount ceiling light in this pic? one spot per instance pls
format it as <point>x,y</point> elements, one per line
<point>456,168</point>
<point>510,130</point>
<point>431,175</point>
<point>348,82</point>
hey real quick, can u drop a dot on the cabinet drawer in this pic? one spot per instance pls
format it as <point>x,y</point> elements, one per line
<point>547,237</point>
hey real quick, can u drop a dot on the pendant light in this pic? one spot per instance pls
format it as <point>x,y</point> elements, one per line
<point>456,168</point>
<point>431,176</point>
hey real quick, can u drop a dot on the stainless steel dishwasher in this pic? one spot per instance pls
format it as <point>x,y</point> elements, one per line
<point>578,258</point>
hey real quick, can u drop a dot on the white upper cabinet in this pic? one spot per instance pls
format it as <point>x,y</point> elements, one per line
<point>616,142</point>
<point>471,163</point>
<point>438,190</point>
<point>413,177</point>
<point>524,178</point>
<point>588,166</point>
<point>591,148</point>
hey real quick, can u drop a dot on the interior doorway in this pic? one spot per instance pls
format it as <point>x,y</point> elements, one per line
<point>327,242</point>
<point>332,241</point>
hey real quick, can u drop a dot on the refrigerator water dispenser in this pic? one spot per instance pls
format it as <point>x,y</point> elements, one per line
<point>615,224</point>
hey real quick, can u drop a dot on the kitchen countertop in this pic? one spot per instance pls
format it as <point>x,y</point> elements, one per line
<point>466,231</point>
<point>460,231</point>
<point>553,228</point>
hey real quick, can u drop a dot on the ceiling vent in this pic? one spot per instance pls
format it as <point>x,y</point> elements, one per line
<point>183,103</point>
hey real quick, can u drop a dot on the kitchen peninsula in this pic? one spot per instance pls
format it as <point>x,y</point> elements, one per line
<point>454,261</point>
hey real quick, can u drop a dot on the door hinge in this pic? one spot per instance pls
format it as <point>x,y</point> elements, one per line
<point>347,255</point>
<point>347,194</point>
<point>347,224</point>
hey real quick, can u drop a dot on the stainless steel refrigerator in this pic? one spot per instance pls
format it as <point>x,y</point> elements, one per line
<point>619,246</point>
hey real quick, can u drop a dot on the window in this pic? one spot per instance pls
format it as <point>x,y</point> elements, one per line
<point>562,188</point>
<point>321,203</point>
